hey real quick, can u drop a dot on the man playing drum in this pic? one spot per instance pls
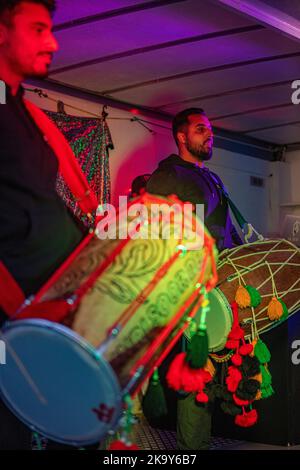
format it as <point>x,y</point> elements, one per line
<point>186,176</point>
<point>37,231</point>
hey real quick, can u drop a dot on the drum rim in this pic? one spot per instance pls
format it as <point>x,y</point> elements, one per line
<point>218,292</point>
<point>92,352</point>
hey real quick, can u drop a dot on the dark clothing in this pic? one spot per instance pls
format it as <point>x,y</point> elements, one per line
<point>36,230</point>
<point>198,186</point>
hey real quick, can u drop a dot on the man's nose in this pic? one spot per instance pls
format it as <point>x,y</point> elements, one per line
<point>210,132</point>
<point>52,44</point>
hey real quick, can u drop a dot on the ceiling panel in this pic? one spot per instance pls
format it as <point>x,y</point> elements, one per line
<point>140,29</point>
<point>171,54</point>
<point>70,10</point>
<point>239,102</point>
<point>270,117</point>
<point>162,93</point>
<point>280,135</point>
<point>112,75</point>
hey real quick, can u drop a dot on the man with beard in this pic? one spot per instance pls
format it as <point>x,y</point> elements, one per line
<point>186,176</point>
<point>37,231</point>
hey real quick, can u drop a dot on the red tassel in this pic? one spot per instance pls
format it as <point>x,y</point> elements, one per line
<point>236,333</point>
<point>202,397</point>
<point>246,419</point>
<point>181,376</point>
<point>236,359</point>
<point>232,343</point>
<point>233,378</point>
<point>121,445</point>
<point>240,402</point>
<point>174,373</point>
<point>246,349</point>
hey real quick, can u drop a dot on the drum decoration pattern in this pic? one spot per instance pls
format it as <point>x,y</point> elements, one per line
<point>258,288</point>
<point>264,279</point>
<point>97,329</point>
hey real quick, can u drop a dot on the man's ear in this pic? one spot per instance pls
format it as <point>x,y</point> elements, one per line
<point>181,137</point>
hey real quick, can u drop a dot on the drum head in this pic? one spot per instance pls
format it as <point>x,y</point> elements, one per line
<point>219,321</point>
<point>57,384</point>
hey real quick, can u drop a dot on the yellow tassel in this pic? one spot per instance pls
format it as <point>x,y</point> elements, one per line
<point>242,297</point>
<point>209,367</point>
<point>258,395</point>
<point>275,309</point>
<point>258,377</point>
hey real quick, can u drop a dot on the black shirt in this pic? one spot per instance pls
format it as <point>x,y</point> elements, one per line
<point>36,230</point>
<point>197,185</point>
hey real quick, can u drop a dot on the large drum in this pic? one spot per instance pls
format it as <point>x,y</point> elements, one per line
<point>100,325</point>
<point>272,267</point>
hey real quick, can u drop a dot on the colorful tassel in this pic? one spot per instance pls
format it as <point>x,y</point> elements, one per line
<point>197,353</point>
<point>182,377</point>
<point>233,378</point>
<point>122,445</point>
<point>209,367</point>
<point>236,359</point>
<point>275,309</point>
<point>242,297</point>
<point>266,377</point>
<point>267,392</point>
<point>247,389</point>
<point>246,420</point>
<point>285,311</point>
<point>255,297</point>
<point>262,352</point>
<point>240,402</point>
<point>258,395</point>
<point>246,349</point>
<point>154,402</point>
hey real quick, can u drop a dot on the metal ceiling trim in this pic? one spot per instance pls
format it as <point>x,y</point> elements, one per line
<point>267,15</point>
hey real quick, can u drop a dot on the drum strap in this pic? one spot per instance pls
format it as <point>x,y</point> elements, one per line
<point>246,227</point>
<point>11,295</point>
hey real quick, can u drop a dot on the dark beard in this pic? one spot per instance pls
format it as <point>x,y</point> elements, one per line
<point>199,152</point>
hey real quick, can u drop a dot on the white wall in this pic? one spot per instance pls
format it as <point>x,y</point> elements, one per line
<point>138,151</point>
<point>292,190</point>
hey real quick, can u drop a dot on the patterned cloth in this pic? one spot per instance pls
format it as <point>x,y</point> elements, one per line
<point>90,140</point>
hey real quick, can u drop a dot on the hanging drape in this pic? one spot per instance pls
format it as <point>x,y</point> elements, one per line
<point>90,140</point>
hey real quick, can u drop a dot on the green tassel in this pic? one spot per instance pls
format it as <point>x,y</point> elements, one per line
<point>285,314</point>
<point>254,296</point>
<point>262,352</point>
<point>197,353</point>
<point>154,402</point>
<point>266,392</point>
<point>266,377</point>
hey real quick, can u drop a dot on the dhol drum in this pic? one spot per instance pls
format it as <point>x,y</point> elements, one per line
<point>273,268</point>
<point>104,320</point>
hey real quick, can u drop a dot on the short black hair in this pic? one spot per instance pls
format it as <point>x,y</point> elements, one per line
<point>7,7</point>
<point>182,119</point>
<point>139,183</point>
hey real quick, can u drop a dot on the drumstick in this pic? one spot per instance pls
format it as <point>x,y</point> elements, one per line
<point>26,374</point>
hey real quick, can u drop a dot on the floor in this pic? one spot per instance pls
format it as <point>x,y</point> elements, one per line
<point>148,438</point>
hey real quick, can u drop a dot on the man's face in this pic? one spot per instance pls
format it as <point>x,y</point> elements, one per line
<point>198,138</point>
<point>27,44</point>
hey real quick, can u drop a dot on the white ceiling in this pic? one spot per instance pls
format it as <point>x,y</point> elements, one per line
<point>167,55</point>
